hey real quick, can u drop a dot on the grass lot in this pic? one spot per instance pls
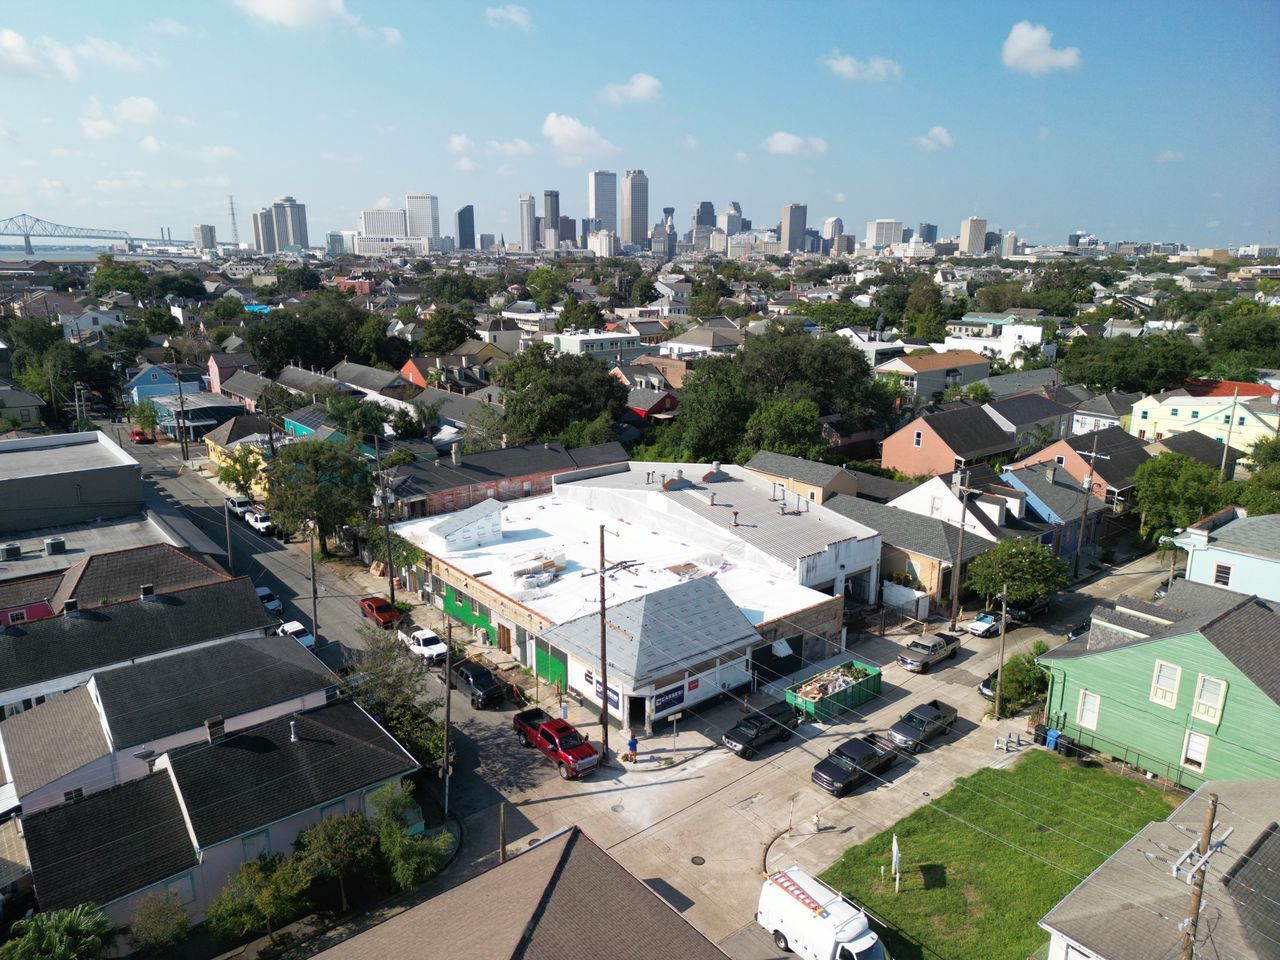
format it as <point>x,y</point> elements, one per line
<point>966,895</point>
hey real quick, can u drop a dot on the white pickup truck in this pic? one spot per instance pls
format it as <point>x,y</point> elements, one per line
<point>296,630</point>
<point>425,643</point>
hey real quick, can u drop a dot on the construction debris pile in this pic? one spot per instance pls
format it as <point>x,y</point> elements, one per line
<point>831,681</point>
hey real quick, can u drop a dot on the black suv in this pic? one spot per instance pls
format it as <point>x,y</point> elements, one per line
<point>484,689</point>
<point>774,721</point>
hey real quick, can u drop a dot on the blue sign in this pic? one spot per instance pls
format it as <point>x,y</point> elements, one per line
<point>667,699</point>
<point>613,694</point>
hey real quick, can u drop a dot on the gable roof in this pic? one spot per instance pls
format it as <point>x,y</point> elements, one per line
<point>314,416</point>
<point>1197,446</point>
<point>237,428</point>
<point>109,844</point>
<point>969,432</point>
<point>53,739</point>
<point>1028,408</point>
<point>1019,381</point>
<point>1125,453</point>
<point>927,536</point>
<point>552,898</point>
<point>259,775</point>
<point>246,385</point>
<point>106,578</point>
<point>1110,404</point>
<point>366,377</point>
<point>419,480</point>
<point>793,468</point>
<point>940,361</point>
<point>1057,490</point>
<point>871,486</point>
<point>228,361</point>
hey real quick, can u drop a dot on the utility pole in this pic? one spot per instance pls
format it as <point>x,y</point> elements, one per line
<point>1004,619</point>
<point>182,405</point>
<point>448,689</point>
<point>1087,487</point>
<point>226,525</point>
<point>960,487</point>
<point>1197,884</point>
<point>1226,447</point>
<point>384,499</point>
<point>604,666</point>
<point>315,605</point>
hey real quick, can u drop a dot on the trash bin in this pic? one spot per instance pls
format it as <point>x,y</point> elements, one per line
<point>1051,739</point>
<point>1066,746</point>
<point>1041,733</point>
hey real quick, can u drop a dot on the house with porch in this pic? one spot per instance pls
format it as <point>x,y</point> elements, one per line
<point>1056,498</point>
<point>1238,414</point>
<point>250,431</point>
<point>160,379</point>
<point>1103,411</point>
<point>926,376</point>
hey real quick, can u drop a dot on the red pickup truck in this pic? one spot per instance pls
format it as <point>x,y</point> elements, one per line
<point>558,740</point>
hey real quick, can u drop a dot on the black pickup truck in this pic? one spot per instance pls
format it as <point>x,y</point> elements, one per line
<point>922,723</point>
<point>853,762</point>
<point>774,721</point>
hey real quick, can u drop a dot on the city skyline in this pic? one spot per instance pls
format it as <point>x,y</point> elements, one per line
<point>1068,125</point>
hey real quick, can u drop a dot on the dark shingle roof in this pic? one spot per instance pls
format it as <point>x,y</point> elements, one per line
<point>879,489</point>
<point>1197,446</point>
<point>1249,636</point>
<point>460,408</point>
<point>246,385</point>
<point>793,468</point>
<point>365,377</point>
<point>969,432</point>
<point>1061,493</point>
<point>1028,408</point>
<point>642,398</point>
<point>158,698</point>
<point>245,425</point>
<point>53,739</point>
<point>47,650</point>
<point>258,776</point>
<point>106,578</point>
<point>927,536</point>
<point>1110,404</point>
<point>414,480</point>
<point>109,844</point>
<point>1008,384</point>
<point>1125,454</point>
<point>314,416</point>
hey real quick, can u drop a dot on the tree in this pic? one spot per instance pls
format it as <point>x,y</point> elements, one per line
<point>1021,682</point>
<point>546,285</point>
<point>1265,452</point>
<point>588,433</point>
<point>159,923</point>
<point>1028,567</point>
<point>543,392</point>
<point>186,285</point>
<point>444,329</point>
<point>112,276</point>
<point>642,291</point>
<point>1129,364</point>
<point>318,482</point>
<point>144,416</point>
<point>227,310</point>
<point>788,427</point>
<point>714,409</point>
<point>1173,491</point>
<point>317,333</point>
<point>296,279</point>
<point>241,469</point>
<point>413,859</point>
<point>158,320</point>
<point>391,684</point>
<point>263,894</point>
<point>582,316</point>
<point>338,847</point>
<point>82,932</point>
<point>979,392</point>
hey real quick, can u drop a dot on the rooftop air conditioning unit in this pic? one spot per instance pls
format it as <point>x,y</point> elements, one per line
<point>54,545</point>
<point>11,551</point>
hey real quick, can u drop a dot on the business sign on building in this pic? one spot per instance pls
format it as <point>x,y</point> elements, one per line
<point>668,699</point>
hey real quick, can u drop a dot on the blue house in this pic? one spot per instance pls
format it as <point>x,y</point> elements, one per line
<point>1055,498</point>
<point>160,379</point>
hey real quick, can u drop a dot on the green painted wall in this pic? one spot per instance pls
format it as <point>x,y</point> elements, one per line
<point>551,665</point>
<point>462,612</point>
<point>1150,735</point>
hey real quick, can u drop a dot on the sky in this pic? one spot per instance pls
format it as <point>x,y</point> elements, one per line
<point>1131,121</point>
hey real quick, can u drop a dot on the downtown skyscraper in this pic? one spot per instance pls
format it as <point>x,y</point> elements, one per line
<point>602,199</point>
<point>464,227</point>
<point>289,218</point>
<point>551,219</point>
<point>795,220</point>
<point>528,224</point>
<point>635,208</point>
<point>422,211</point>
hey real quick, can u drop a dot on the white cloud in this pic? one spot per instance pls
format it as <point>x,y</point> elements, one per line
<point>1213,224</point>
<point>97,128</point>
<point>690,142</point>
<point>297,13</point>
<point>741,156</point>
<point>111,54</point>
<point>150,144</point>
<point>573,139</point>
<point>218,153</point>
<point>508,148</point>
<point>466,165</point>
<point>460,143</point>
<point>171,28</point>
<point>506,170</point>
<point>384,203</point>
<point>48,186</point>
<point>125,180</point>
<point>1168,156</point>
<point>17,57</point>
<point>69,153</point>
<point>1043,134</point>
<point>391,36</point>
<point>840,196</point>
<point>790,145</point>
<point>61,59</point>
<point>1216,195</point>
<point>641,88</point>
<point>136,110</point>
<point>938,138</point>
<point>1029,49</point>
<point>511,15</point>
<point>874,70</point>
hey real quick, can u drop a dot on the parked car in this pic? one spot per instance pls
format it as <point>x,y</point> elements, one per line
<point>804,915</point>
<point>259,520</point>
<point>853,762</point>
<point>1027,612</point>
<point>239,505</point>
<point>270,602</point>
<point>1079,630</point>
<point>425,643</point>
<point>141,436</point>
<point>922,723</point>
<point>296,630</point>
<point>987,688</point>
<point>481,685</point>
<point>381,611</point>
<point>922,654</point>
<point>1162,591</point>
<point>984,624</point>
<point>559,742</point>
<point>762,726</point>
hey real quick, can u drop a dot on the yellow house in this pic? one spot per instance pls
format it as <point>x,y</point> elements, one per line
<point>251,431</point>
<point>1240,421</point>
<point>806,479</point>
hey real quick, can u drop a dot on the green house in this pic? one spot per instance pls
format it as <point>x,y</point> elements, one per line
<point>1187,688</point>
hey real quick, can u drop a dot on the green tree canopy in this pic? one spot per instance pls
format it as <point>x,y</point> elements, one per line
<point>546,285</point>
<point>318,482</point>
<point>241,469</point>
<point>158,924</point>
<point>81,932</point>
<point>413,859</point>
<point>1028,567</point>
<point>1128,364</point>
<point>1173,491</point>
<point>789,427</point>
<point>544,392</point>
<point>340,847</point>
<point>262,895</point>
<point>185,284</point>
<point>113,275</point>
<point>319,332</point>
<point>714,409</point>
<point>296,279</point>
<point>444,329</point>
<point>392,684</point>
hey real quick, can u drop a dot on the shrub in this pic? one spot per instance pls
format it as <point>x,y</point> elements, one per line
<point>159,923</point>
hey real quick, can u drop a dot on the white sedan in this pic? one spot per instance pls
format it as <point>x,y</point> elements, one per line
<point>984,625</point>
<point>270,602</point>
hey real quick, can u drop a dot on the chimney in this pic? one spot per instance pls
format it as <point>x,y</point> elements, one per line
<point>457,453</point>
<point>214,729</point>
<point>147,591</point>
<point>71,607</point>
<point>735,518</point>
<point>293,731</point>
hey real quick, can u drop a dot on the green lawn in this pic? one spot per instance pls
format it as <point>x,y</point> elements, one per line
<point>966,894</point>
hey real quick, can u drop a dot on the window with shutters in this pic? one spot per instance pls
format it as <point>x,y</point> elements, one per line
<point>1210,692</point>
<point>1222,574</point>
<point>1164,684</point>
<point>1195,749</point>
<point>1087,714</point>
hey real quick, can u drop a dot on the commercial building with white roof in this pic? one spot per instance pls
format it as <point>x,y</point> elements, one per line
<point>715,578</point>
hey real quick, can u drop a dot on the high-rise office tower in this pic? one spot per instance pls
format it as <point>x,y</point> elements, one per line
<point>602,199</point>
<point>550,230</point>
<point>334,246</point>
<point>264,231</point>
<point>382,223</point>
<point>568,230</point>
<point>464,227</point>
<point>927,232</point>
<point>422,212</point>
<point>729,222</point>
<point>635,208</point>
<point>205,237</point>
<point>832,227</point>
<point>590,225</point>
<point>290,220</point>
<point>528,224</point>
<point>907,234</point>
<point>1009,244</point>
<point>704,214</point>
<point>883,233</point>
<point>973,235</point>
<point>794,218</point>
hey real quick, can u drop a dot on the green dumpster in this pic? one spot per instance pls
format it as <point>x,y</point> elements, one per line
<point>826,695</point>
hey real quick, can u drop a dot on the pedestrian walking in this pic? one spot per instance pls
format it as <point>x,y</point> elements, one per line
<point>632,745</point>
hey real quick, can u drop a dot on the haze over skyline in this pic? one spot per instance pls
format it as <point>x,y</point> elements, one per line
<point>1141,122</point>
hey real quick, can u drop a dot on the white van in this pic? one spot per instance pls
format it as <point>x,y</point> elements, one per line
<point>296,630</point>
<point>806,916</point>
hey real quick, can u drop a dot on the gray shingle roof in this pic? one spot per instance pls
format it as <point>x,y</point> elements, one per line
<point>880,489</point>
<point>457,407</point>
<point>927,536</point>
<point>793,468</point>
<point>237,428</point>
<point>1125,454</point>
<point>418,480</point>
<point>1008,384</point>
<point>246,385</point>
<point>365,377</point>
<point>109,844</point>
<point>1061,494</point>
<point>1028,408</point>
<point>53,739</point>
<point>1258,535</point>
<point>1110,404</point>
<point>1249,636</point>
<point>969,432</point>
<point>1197,446</point>
<point>257,775</point>
<point>106,578</point>
<point>313,416</point>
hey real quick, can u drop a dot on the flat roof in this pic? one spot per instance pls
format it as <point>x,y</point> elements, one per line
<point>560,527</point>
<point>195,400</point>
<point>60,453</point>
<point>82,540</point>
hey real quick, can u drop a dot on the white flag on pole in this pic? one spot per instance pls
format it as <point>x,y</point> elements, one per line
<point>897,856</point>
